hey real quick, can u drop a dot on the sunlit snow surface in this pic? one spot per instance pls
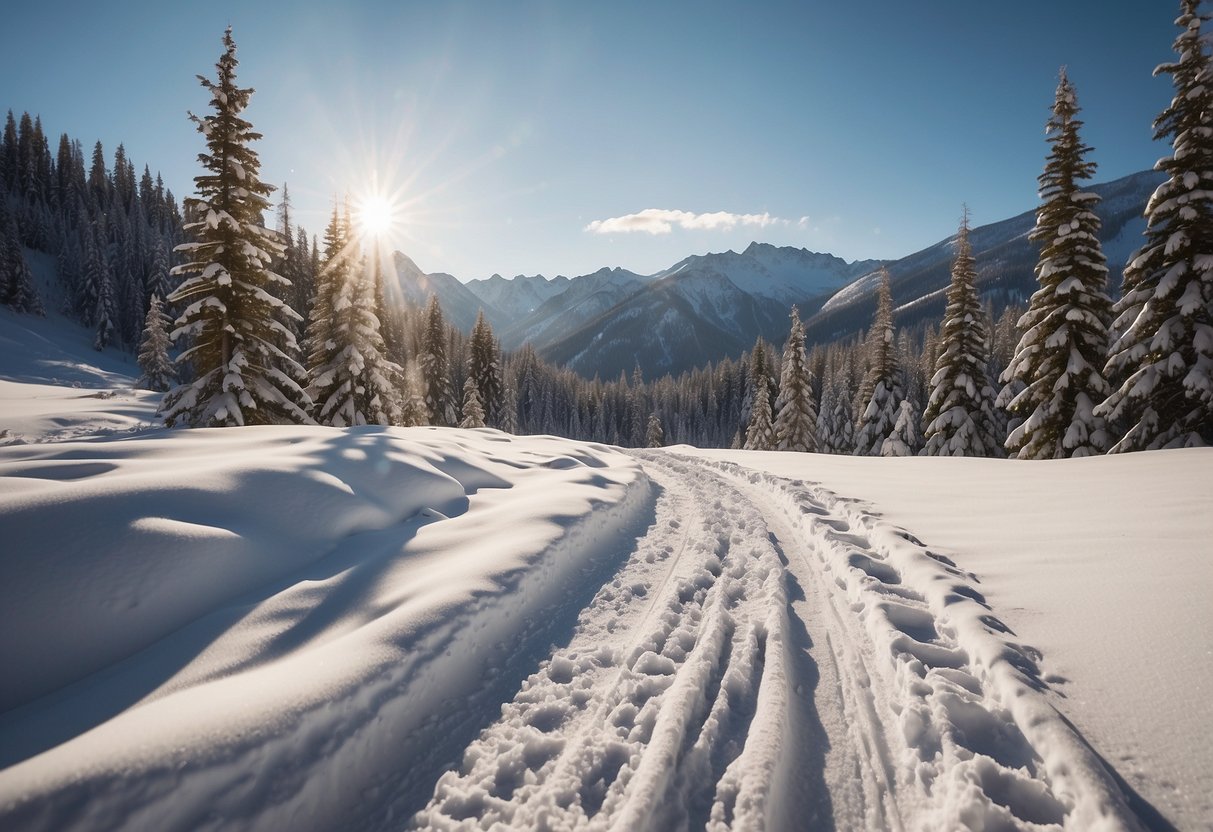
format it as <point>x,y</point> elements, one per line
<point>189,609</point>
<point>375,628</point>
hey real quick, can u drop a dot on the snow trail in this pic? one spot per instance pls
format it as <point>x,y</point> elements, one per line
<point>772,655</point>
<point>667,709</point>
<point>972,740</point>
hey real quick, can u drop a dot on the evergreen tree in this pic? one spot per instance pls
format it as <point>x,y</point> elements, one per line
<point>335,272</point>
<point>158,371</point>
<point>231,317</point>
<point>412,409</point>
<point>351,379</point>
<point>473,413</point>
<point>1163,358</point>
<point>484,367</point>
<point>654,434</point>
<point>960,418</point>
<point>17,289</point>
<point>106,312</point>
<point>882,393</point>
<point>435,369</point>
<point>796,423</point>
<point>844,425</point>
<point>904,439</point>
<point>760,436</point>
<point>509,409</point>
<point>1057,367</point>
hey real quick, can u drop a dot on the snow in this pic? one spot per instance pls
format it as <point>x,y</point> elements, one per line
<point>387,628</point>
<point>302,594</point>
<point>1101,564</point>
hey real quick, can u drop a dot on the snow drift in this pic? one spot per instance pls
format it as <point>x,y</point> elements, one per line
<point>186,609</point>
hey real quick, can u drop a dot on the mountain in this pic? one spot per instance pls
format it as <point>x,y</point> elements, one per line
<point>1005,262</point>
<point>702,309</point>
<point>709,306</point>
<point>586,298</point>
<point>512,299</point>
<point>459,304</point>
<point>785,274</point>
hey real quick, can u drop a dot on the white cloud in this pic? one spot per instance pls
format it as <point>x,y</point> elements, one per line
<point>662,221</point>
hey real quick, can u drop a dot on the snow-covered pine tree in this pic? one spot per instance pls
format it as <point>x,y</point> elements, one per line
<point>654,434</point>
<point>352,382</point>
<point>760,435</point>
<point>843,420</point>
<point>158,371</point>
<point>473,413</point>
<point>960,418</point>
<point>435,368</point>
<point>905,439</point>
<point>509,409</point>
<point>333,273</point>
<point>1055,379</point>
<point>106,311</point>
<point>231,319</point>
<point>1163,359</point>
<point>882,384</point>
<point>17,289</point>
<point>412,401</point>
<point>484,365</point>
<point>796,422</point>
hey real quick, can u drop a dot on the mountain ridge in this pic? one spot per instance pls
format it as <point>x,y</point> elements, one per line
<point>709,306</point>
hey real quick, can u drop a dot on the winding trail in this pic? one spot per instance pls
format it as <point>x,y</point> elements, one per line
<point>774,656</point>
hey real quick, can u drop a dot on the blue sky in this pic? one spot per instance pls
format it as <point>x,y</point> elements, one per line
<point>509,129</point>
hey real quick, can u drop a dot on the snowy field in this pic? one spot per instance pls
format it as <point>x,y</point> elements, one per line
<point>312,628</point>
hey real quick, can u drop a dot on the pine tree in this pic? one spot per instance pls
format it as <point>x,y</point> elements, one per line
<point>351,379</point>
<point>158,371</point>
<point>473,413</point>
<point>882,393</point>
<point>654,434</point>
<point>17,289</point>
<point>844,425</point>
<point>484,366</point>
<point>412,409</point>
<point>435,369</point>
<point>796,423</point>
<point>106,313</point>
<point>904,439</point>
<point>960,418</point>
<point>1057,367</point>
<point>231,317</point>
<point>509,409</point>
<point>760,436</point>
<point>1163,358</point>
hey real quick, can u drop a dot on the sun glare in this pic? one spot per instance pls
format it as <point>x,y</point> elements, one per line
<point>376,215</point>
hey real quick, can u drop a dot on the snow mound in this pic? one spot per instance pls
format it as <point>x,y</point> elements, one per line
<point>187,612</point>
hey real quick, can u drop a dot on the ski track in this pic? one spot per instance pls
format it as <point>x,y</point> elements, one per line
<point>773,655</point>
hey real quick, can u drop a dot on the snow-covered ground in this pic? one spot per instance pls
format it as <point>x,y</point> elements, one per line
<point>375,628</point>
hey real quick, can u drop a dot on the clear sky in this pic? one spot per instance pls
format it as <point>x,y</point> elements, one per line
<point>513,131</point>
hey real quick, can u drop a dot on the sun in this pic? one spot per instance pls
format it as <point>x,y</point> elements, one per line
<point>376,215</point>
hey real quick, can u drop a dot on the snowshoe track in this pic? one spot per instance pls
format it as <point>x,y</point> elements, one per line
<point>678,702</point>
<point>666,708</point>
<point>973,741</point>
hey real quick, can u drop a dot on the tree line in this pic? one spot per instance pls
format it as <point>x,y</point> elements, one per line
<point>1074,374</point>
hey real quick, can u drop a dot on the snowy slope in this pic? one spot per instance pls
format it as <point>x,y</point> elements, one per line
<point>1005,261</point>
<point>459,304</point>
<point>514,298</point>
<point>1102,566</point>
<point>379,628</point>
<point>54,385</point>
<point>781,273</point>
<point>586,298</point>
<point>187,608</point>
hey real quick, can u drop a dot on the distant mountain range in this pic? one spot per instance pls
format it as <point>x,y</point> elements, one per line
<point>710,306</point>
